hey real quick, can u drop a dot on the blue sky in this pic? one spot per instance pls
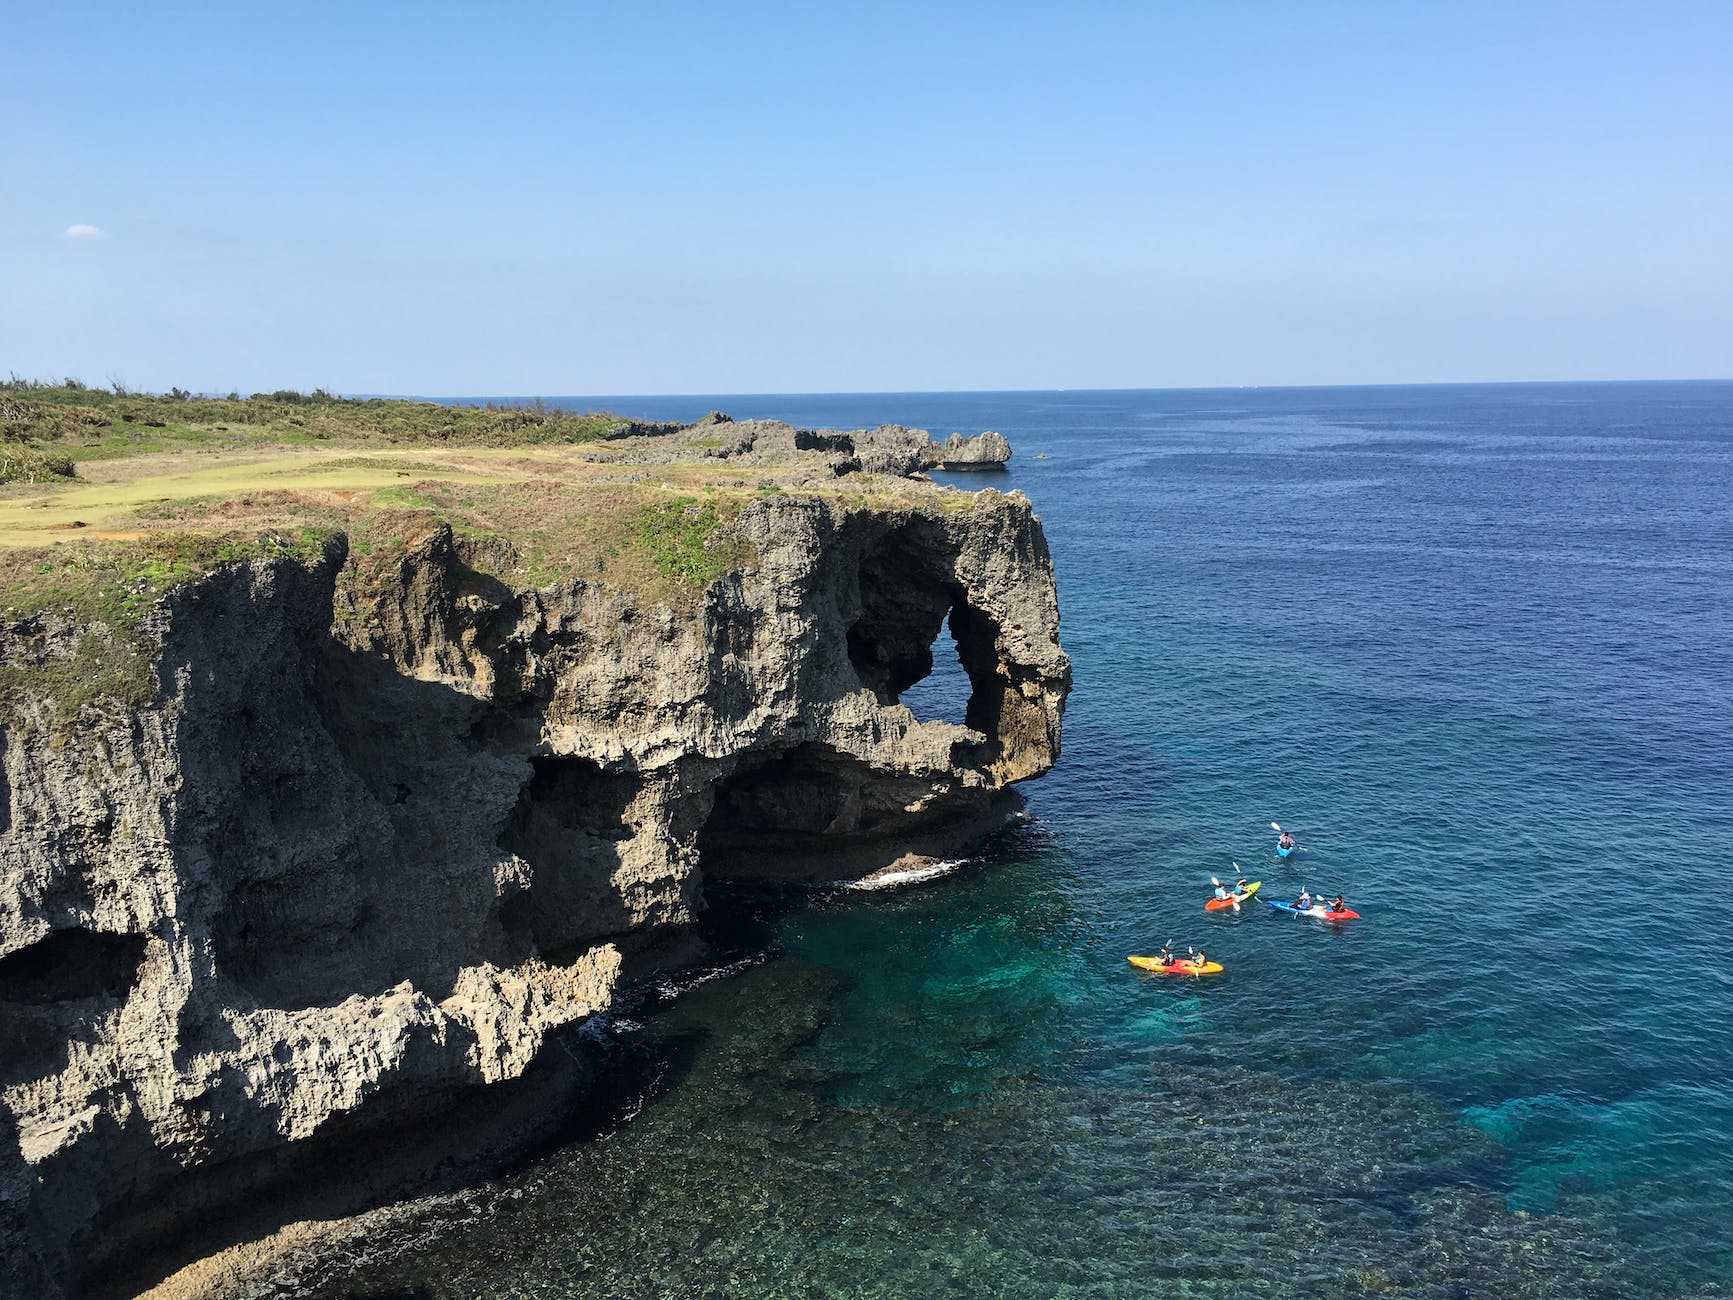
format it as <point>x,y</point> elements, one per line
<point>665,198</point>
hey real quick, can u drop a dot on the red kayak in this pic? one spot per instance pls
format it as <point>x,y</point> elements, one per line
<point>1318,910</point>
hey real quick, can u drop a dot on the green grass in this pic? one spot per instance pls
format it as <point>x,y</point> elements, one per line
<point>680,535</point>
<point>412,498</point>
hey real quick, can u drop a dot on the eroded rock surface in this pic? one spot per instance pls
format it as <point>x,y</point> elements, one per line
<point>806,455</point>
<point>984,451</point>
<point>388,829</point>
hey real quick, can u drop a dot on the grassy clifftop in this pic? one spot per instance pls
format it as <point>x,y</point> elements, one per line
<point>116,499</point>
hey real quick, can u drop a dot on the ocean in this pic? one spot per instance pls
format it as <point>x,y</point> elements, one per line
<point>1473,645</point>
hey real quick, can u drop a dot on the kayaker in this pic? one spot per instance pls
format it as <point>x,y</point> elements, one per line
<point>1305,902</point>
<point>1198,959</point>
<point>1221,890</point>
<point>1240,887</point>
<point>1338,905</point>
<point>1165,956</point>
<point>1287,841</point>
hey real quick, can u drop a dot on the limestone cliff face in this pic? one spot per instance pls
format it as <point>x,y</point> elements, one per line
<point>386,828</point>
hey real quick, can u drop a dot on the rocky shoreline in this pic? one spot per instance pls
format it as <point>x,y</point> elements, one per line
<point>306,931</point>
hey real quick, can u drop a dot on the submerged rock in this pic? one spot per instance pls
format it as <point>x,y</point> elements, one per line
<point>388,828</point>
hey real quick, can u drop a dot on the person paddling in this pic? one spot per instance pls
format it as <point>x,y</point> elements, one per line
<point>1197,960</point>
<point>1305,903</point>
<point>1286,842</point>
<point>1338,905</point>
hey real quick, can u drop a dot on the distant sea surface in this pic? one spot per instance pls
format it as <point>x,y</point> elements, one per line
<point>1474,646</point>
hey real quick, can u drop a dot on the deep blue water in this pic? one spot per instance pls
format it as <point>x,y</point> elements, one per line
<point>1473,645</point>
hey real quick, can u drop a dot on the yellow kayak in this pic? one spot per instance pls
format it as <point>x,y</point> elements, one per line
<point>1178,966</point>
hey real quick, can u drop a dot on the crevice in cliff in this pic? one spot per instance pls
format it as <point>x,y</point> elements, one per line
<point>568,825</point>
<point>71,964</point>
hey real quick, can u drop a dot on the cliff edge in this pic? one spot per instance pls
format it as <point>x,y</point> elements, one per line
<point>368,817</point>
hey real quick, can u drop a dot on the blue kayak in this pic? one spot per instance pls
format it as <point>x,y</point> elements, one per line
<point>1281,852</point>
<point>1319,910</point>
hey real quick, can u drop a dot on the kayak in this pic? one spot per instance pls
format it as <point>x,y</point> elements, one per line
<point>1183,966</point>
<point>1216,904</point>
<point>1282,853</point>
<point>1318,910</point>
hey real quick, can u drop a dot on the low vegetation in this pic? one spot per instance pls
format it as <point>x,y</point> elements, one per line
<point>33,464</point>
<point>82,423</point>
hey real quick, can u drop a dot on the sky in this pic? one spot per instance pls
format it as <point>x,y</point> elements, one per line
<point>755,198</point>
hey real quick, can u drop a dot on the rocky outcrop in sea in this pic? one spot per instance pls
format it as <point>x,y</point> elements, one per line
<point>984,451</point>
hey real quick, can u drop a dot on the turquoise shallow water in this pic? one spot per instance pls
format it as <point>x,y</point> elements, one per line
<point>1472,644</point>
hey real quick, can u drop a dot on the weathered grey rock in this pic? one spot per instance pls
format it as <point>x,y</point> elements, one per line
<point>984,451</point>
<point>804,456</point>
<point>383,834</point>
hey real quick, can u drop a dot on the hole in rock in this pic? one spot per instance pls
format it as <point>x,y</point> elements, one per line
<point>909,599</point>
<point>943,694</point>
<point>72,964</point>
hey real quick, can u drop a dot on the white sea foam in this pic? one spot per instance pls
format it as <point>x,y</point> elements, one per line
<point>673,986</point>
<point>889,879</point>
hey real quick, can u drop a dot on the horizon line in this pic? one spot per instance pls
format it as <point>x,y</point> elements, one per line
<point>970,392</point>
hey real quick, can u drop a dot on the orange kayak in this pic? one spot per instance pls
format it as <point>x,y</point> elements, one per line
<point>1217,904</point>
<point>1181,966</point>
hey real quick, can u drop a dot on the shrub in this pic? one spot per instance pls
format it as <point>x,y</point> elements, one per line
<point>33,465</point>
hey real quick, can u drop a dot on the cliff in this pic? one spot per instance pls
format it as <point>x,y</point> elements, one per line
<point>386,814</point>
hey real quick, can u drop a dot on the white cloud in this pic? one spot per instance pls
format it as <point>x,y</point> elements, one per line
<point>83,232</point>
